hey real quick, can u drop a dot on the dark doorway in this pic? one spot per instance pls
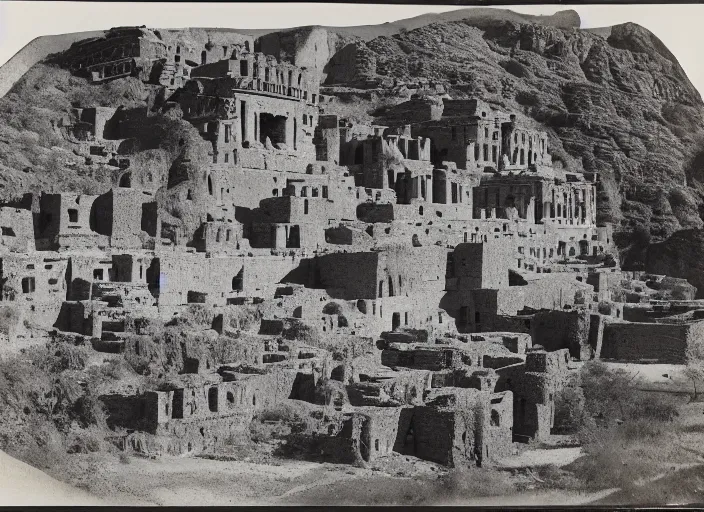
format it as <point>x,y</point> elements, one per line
<point>273,127</point>
<point>237,281</point>
<point>409,441</point>
<point>213,399</point>
<point>243,120</point>
<point>359,155</point>
<point>154,278</point>
<point>126,180</point>
<point>583,248</point>
<point>294,238</point>
<point>395,321</point>
<point>177,404</point>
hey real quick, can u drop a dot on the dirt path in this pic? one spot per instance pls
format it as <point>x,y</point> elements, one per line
<point>175,481</point>
<point>542,457</point>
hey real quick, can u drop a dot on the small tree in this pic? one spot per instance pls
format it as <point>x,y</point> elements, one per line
<point>694,371</point>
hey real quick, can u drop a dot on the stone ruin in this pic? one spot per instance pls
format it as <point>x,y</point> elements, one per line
<point>471,268</point>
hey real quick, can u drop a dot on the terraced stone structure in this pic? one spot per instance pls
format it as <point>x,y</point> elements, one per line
<point>426,285</point>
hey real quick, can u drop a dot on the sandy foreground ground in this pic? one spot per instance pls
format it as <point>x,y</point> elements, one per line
<point>23,485</point>
<point>174,481</point>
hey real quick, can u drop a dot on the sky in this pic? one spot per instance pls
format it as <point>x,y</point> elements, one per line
<point>678,26</point>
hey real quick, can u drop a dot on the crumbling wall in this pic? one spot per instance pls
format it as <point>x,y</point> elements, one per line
<point>556,329</point>
<point>633,342</point>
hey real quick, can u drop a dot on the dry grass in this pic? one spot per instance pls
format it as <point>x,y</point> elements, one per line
<point>463,483</point>
<point>627,435</point>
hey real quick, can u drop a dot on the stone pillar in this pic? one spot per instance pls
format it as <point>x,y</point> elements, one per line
<point>530,210</point>
<point>280,239</point>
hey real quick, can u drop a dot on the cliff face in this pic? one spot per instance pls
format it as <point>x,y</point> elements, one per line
<point>309,47</point>
<point>681,255</point>
<point>614,101</point>
<point>619,105</point>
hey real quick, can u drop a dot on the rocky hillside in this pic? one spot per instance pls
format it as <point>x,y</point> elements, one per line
<point>614,102</point>
<point>35,51</point>
<point>295,42</point>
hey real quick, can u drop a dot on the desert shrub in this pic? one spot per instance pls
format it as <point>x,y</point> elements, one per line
<point>304,333</point>
<point>626,434</point>
<point>244,317</point>
<point>609,462</point>
<point>8,318</point>
<point>652,407</point>
<point>680,292</point>
<point>641,429</point>
<point>554,477</point>
<point>88,440</point>
<point>278,422</point>
<point>55,358</point>
<point>472,481</point>
<point>611,394</point>
<point>569,410</point>
<point>27,401</point>
<point>196,315</point>
<point>332,308</point>
<point>330,391</point>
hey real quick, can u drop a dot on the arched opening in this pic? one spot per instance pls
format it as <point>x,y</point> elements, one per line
<point>203,57</point>
<point>381,289</point>
<point>210,185</point>
<point>246,46</point>
<point>126,180</point>
<point>359,155</point>
<point>495,418</point>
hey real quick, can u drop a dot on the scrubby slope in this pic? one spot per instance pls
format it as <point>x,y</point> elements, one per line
<point>621,106</point>
<point>39,48</point>
<point>35,51</point>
